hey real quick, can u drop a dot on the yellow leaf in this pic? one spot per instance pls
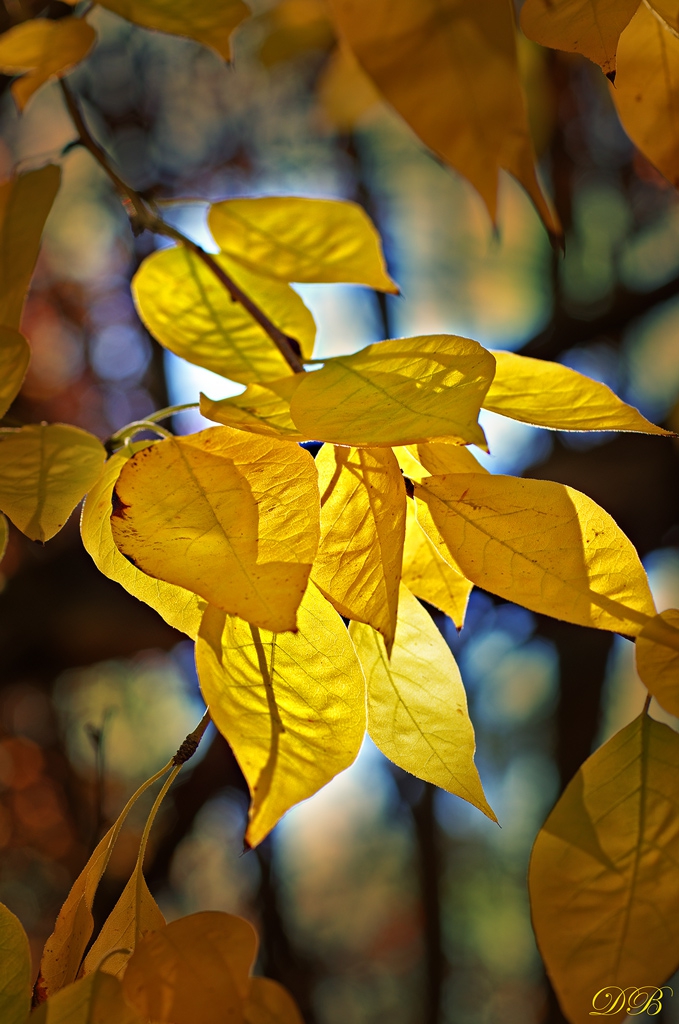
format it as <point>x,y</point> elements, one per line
<point>193,971</point>
<point>4,536</point>
<point>14,358</point>
<point>15,976</point>
<point>135,915</point>
<point>25,202</point>
<point>550,395</point>
<point>436,459</point>
<point>396,393</point>
<point>97,999</point>
<point>543,545</point>
<point>658,662</point>
<point>646,92</point>
<point>462,94</point>
<point>417,707</point>
<point>296,239</point>
<point>208,22</point>
<point>590,27</point>
<point>667,11</point>
<point>188,311</point>
<point>291,706</point>
<point>429,575</point>
<point>269,1003</point>
<point>231,516</point>
<point>603,879</point>
<point>181,608</point>
<point>43,49</point>
<point>363,512</point>
<point>344,90</point>
<point>260,409</point>
<point>44,472</point>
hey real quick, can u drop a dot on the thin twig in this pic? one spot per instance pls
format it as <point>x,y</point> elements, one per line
<point>143,218</point>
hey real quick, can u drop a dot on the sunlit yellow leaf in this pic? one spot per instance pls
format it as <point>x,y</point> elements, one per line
<point>397,392</point>
<point>291,706</point>
<point>603,878</point>
<point>436,459</point>
<point>97,999</point>
<point>208,22</point>
<point>417,707</point>
<point>231,516</point>
<point>363,512</point>
<point>296,239</point>
<point>135,915</point>
<point>193,971</point>
<point>14,358</point>
<point>462,94</point>
<point>543,545</point>
<point>269,1003</point>
<point>186,308</point>
<point>550,395</point>
<point>25,202</point>
<point>658,662</point>
<point>44,472</point>
<point>428,575</point>
<point>15,969</point>
<point>646,92</point>
<point>260,409</point>
<point>590,27</point>
<point>181,608</point>
<point>43,49</point>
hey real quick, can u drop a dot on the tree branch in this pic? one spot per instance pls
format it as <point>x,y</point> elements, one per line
<point>142,218</point>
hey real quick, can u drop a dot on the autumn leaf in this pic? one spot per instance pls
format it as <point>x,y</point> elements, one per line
<point>45,469</point>
<point>193,971</point>
<point>260,409</point>
<point>435,459</point>
<point>190,312</point>
<point>135,915</point>
<point>290,705</point>
<point>417,707</point>
<point>603,880</point>
<point>397,393</point>
<point>542,545</point>
<point>181,608</point>
<point>550,395</point>
<point>345,92</point>
<point>462,94</point>
<point>14,358</point>
<point>363,514</point>
<point>269,1003</point>
<point>231,516</point>
<point>296,239</point>
<point>41,49</point>
<point>4,536</point>
<point>658,662</point>
<point>209,23</point>
<point>428,574</point>
<point>590,27</point>
<point>15,976</point>
<point>97,999</point>
<point>25,202</point>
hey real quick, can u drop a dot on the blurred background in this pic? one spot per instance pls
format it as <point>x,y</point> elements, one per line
<point>380,900</point>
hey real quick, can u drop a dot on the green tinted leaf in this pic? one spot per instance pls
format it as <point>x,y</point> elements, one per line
<point>97,999</point>
<point>208,22</point>
<point>14,358</point>
<point>260,409</point>
<point>15,972</point>
<point>44,49</point>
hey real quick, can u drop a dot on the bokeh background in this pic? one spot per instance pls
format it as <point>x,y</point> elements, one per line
<point>380,900</point>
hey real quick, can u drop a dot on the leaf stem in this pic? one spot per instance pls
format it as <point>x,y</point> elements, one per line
<point>647,703</point>
<point>171,410</point>
<point>143,218</point>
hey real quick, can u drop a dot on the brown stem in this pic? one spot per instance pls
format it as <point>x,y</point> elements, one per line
<point>143,218</point>
<point>189,746</point>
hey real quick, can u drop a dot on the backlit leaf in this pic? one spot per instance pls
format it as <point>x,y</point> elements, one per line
<point>186,308</point>
<point>543,545</point>
<point>550,395</point>
<point>15,972</point>
<point>436,459</point>
<point>4,535</point>
<point>14,358</point>
<point>269,1003</point>
<point>135,915</point>
<point>428,575</point>
<point>231,516</point>
<point>603,879</point>
<point>363,512</point>
<point>462,94</point>
<point>291,706</point>
<point>208,22</point>
<point>296,239</point>
<point>44,472</point>
<point>25,202</point>
<point>260,409</point>
<point>181,608</point>
<point>193,971</point>
<point>396,393</point>
<point>590,27</point>
<point>417,707</point>
<point>658,662</point>
<point>668,11</point>
<point>97,999</point>
<point>43,49</point>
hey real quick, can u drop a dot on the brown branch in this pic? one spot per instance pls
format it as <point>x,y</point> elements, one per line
<point>142,218</point>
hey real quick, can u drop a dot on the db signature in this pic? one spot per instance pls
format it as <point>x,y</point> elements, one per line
<point>633,1001</point>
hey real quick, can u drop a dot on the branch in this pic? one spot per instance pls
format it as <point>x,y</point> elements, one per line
<point>142,218</point>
